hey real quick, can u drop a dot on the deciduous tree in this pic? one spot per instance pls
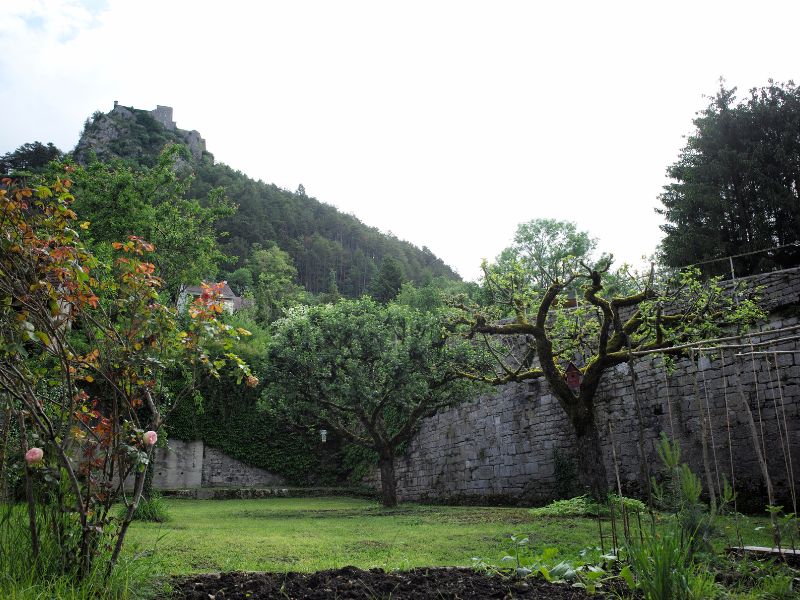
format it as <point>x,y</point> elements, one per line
<point>546,332</point>
<point>369,372</point>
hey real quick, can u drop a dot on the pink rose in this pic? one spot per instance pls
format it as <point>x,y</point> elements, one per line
<point>150,438</point>
<point>34,456</point>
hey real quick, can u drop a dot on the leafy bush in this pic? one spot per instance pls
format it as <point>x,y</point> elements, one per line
<point>584,506</point>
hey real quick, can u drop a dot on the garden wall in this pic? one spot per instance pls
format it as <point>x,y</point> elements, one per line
<point>516,444</point>
<point>193,464</point>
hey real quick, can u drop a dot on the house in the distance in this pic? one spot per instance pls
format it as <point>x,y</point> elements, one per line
<point>231,301</point>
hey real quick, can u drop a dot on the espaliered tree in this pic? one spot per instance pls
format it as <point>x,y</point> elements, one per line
<point>368,372</point>
<point>534,333</point>
<point>91,365</point>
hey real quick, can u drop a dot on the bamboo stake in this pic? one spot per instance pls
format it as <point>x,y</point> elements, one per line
<point>619,482</point>
<point>759,455</point>
<point>711,429</point>
<point>704,440</point>
<point>786,429</point>
<point>739,336</point>
<point>730,449</point>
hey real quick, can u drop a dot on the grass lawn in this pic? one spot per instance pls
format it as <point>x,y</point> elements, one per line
<point>309,534</point>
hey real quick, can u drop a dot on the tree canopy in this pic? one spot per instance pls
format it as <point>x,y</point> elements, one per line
<point>546,331</point>
<point>33,157</point>
<point>736,183</point>
<point>548,250</point>
<point>368,372</point>
<point>151,202</point>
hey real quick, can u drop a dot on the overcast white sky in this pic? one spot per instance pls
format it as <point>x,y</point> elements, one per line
<point>446,123</point>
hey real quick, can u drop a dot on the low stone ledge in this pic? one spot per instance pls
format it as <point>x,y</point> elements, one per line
<point>218,493</point>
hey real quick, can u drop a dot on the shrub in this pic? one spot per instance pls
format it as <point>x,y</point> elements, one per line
<point>585,506</point>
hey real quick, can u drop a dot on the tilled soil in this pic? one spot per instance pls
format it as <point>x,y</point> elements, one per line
<point>350,583</point>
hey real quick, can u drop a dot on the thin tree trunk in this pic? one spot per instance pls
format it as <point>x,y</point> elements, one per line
<point>3,445</point>
<point>388,483</point>
<point>147,489</point>
<point>138,485</point>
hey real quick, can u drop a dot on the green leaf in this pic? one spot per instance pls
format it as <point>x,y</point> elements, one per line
<point>627,576</point>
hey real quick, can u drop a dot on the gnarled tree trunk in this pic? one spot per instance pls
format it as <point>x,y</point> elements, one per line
<point>589,452</point>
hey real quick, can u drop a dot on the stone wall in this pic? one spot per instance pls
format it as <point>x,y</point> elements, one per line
<point>163,114</point>
<point>517,444</point>
<point>185,465</point>
<point>220,470</point>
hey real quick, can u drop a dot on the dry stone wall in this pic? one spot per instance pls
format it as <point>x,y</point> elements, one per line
<point>516,444</point>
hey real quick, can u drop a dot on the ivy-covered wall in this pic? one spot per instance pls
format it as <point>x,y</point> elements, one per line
<point>230,420</point>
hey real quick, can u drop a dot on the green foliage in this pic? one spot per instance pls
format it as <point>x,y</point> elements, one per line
<point>241,280</point>
<point>585,506</point>
<point>50,577</point>
<point>435,294</point>
<point>752,578</point>
<point>31,158</point>
<point>548,250</point>
<point>664,570</point>
<point>227,417</point>
<point>387,283</point>
<point>735,182</point>
<point>152,509</point>
<point>679,492</point>
<point>777,587</point>
<point>274,289</point>
<point>589,571</point>
<point>332,363</point>
<point>84,415</point>
<point>368,372</point>
<point>151,203</point>
<point>670,565</point>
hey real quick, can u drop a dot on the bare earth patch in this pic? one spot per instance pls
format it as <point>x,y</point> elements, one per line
<point>350,583</point>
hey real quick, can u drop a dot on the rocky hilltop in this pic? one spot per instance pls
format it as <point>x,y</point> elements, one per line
<point>127,132</point>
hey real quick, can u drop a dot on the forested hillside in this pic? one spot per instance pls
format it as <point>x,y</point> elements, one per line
<point>331,251</point>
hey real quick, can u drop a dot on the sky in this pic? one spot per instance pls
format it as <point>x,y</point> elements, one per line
<point>447,123</point>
